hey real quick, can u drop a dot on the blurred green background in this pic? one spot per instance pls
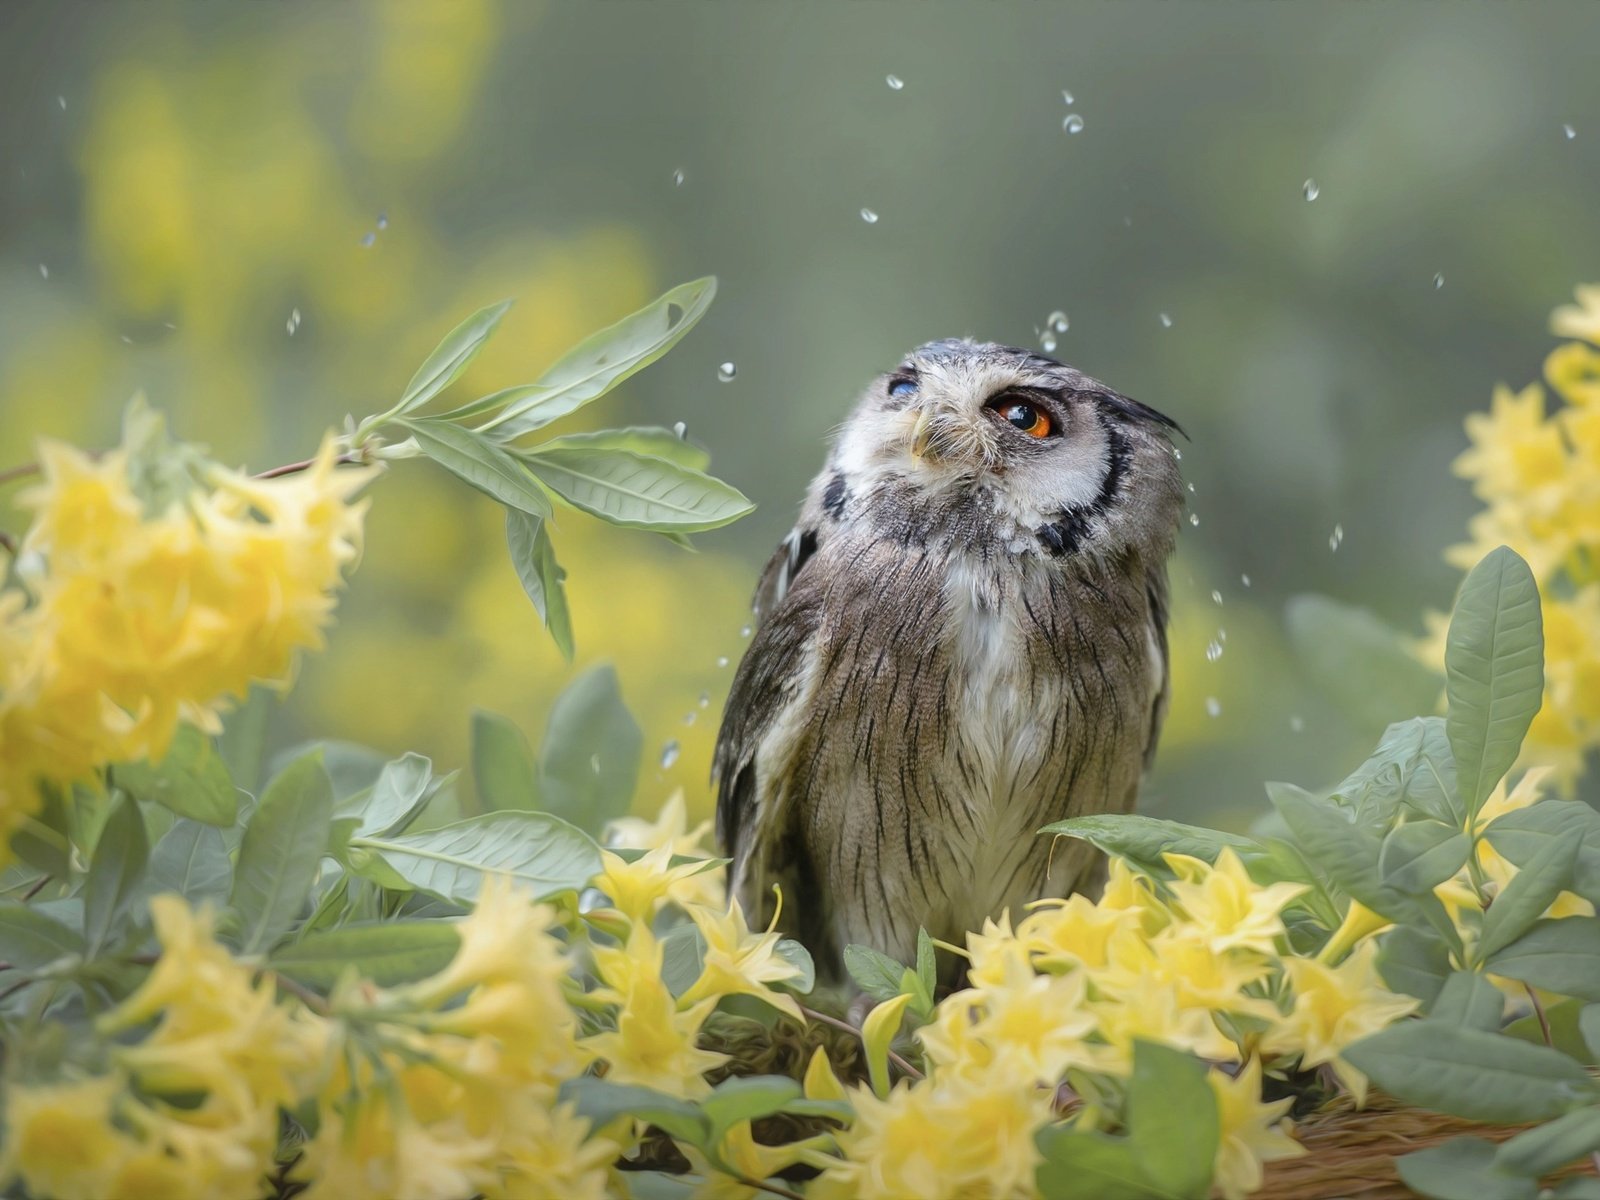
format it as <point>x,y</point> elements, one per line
<point>177,181</point>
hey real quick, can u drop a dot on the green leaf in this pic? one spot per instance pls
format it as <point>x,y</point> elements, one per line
<point>1524,900</point>
<point>244,737</point>
<point>795,954</point>
<point>451,356</point>
<point>1173,1122</point>
<point>282,846</point>
<point>388,953</point>
<point>1080,1165</point>
<point>191,859</point>
<point>591,752</point>
<point>603,1101</point>
<point>1359,662</point>
<point>191,780</point>
<point>1463,1168</point>
<point>1143,840</point>
<point>682,958</point>
<point>43,840</point>
<point>540,852</point>
<point>121,857</point>
<point>1522,833</point>
<point>604,359</point>
<point>746,1098</point>
<point>395,798</point>
<point>1539,1151</point>
<point>1558,955</point>
<point>476,460</point>
<point>1494,671</point>
<point>1470,1001</point>
<point>1420,855</point>
<point>1414,961</point>
<point>502,765</point>
<point>637,491</point>
<point>1578,1187</point>
<point>1470,1073</point>
<point>534,558</point>
<point>658,1185</point>
<point>649,440</point>
<point>30,940</point>
<point>1350,855</point>
<point>1561,1018</point>
<point>1412,768</point>
<point>876,974</point>
<point>1589,1027</point>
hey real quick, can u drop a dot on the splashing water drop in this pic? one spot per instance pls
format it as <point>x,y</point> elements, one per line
<point>1213,707</point>
<point>705,699</point>
<point>1245,580</point>
<point>870,217</point>
<point>689,717</point>
<point>1190,486</point>
<point>1066,96</point>
<point>1166,321</point>
<point>1216,597</point>
<point>1194,519</point>
<point>669,753</point>
<point>677,177</point>
<point>383,220</point>
<point>1336,537</point>
<point>1222,636</point>
<point>368,238</point>
<point>726,372</point>
<point>1072,123</point>
<point>1213,650</point>
<point>1310,190</point>
<point>680,430</point>
<point>1176,453</point>
<point>722,661</point>
<point>745,631</point>
<point>1297,724</point>
<point>1057,322</point>
<point>62,101</point>
<point>1438,281</point>
<point>293,323</point>
<point>1047,342</point>
<point>44,271</point>
<point>895,82</point>
<point>1566,129</point>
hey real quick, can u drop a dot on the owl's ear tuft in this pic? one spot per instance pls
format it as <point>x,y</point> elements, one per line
<point>1133,410</point>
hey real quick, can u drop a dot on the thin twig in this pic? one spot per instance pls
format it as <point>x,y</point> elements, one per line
<point>18,472</point>
<point>1538,1011</point>
<point>37,887</point>
<point>304,465</point>
<point>300,992</point>
<point>812,1014</point>
<point>8,543</point>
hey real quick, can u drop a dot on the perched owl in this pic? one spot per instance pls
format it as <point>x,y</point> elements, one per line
<point>963,639</point>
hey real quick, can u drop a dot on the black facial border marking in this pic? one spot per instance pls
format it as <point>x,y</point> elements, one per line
<point>1067,532</point>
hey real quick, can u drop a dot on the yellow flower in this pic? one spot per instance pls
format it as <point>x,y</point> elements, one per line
<point>372,1148</point>
<point>1073,931</point>
<point>1580,320</point>
<point>736,961</point>
<point>549,1151</point>
<point>1334,1007</point>
<point>670,830</point>
<point>1573,369</point>
<point>638,889</point>
<point>1514,449</point>
<point>992,949</point>
<point>653,1044</point>
<point>1153,1012</point>
<point>60,1139</point>
<point>1183,956</point>
<point>1253,1132</point>
<point>1227,905</point>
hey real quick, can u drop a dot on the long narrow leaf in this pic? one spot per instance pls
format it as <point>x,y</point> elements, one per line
<point>451,356</point>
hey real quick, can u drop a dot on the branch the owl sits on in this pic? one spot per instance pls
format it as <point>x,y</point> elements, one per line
<point>963,639</point>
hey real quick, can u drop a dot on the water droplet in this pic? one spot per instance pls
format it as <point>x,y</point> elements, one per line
<point>722,661</point>
<point>1336,537</point>
<point>870,217</point>
<point>1213,707</point>
<point>1297,724</point>
<point>1057,321</point>
<point>677,177</point>
<point>726,372</point>
<point>44,271</point>
<point>594,763</point>
<point>1166,321</point>
<point>705,699</point>
<point>1310,190</point>
<point>1438,281</point>
<point>1067,96</point>
<point>689,717</point>
<point>1190,486</point>
<point>1213,650</point>
<point>62,100</point>
<point>1072,123</point>
<point>1222,636</point>
<point>1047,342</point>
<point>1194,519</point>
<point>669,753</point>
<point>745,631</point>
<point>1566,129</point>
<point>293,322</point>
<point>126,340</point>
<point>1245,580</point>
<point>1216,596</point>
<point>895,82</point>
<point>680,429</point>
<point>368,238</point>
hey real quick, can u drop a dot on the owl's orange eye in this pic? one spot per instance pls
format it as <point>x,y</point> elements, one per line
<point>1029,418</point>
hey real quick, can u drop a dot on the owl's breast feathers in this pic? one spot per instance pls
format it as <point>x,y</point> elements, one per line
<point>919,699</point>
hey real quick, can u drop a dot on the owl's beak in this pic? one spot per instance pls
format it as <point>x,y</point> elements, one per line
<point>921,432</point>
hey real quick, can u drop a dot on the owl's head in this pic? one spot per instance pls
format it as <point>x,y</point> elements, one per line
<point>1064,462</point>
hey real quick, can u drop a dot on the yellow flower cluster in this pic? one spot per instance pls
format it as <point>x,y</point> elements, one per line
<point>1538,473</point>
<point>128,620</point>
<point>1198,965</point>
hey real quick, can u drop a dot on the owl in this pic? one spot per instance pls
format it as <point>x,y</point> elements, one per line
<point>962,640</point>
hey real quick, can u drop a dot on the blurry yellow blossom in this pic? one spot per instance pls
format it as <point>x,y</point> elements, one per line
<point>372,1148</point>
<point>1333,1008</point>
<point>670,830</point>
<point>1153,1012</point>
<point>1222,901</point>
<point>60,1139</point>
<point>1573,369</point>
<point>1075,930</point>
<point>638,889</point>
<point>737,961</point>
<point>1253,1132</point>
<point>1580,320</point>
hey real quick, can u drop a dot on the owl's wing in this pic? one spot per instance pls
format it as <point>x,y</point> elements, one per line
<point>1156,594</point>
<point>762,721</point>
